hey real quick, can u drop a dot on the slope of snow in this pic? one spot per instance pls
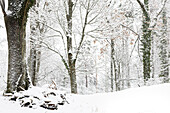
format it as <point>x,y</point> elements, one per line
<point>152,99</point>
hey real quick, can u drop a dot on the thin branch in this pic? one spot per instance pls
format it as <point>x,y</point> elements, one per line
<point>156,17</point>
<point>135,41</point>
<point>129,29</point>
<point>51,28</point>
<point>93,18</point>
<point>63,60</point>
<point>96,37</point>
<point>83,31</point>
<point>134,46</point>
<point>57,32</point>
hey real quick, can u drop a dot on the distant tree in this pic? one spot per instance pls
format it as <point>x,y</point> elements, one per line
<point>148,25</point>
<point>37,31</point>
<point>164,48</point>
<point>72,20</point>
<point>15,20</point>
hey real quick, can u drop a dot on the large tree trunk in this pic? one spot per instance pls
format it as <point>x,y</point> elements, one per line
<point>146,40</point>
<point>15,27</point>
<point>14,34</point>
<point>146,43</point>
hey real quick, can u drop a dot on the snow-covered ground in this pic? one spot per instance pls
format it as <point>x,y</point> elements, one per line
<point>152,99</point>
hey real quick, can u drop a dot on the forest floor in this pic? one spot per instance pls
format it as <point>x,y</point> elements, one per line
<point>151,99</point>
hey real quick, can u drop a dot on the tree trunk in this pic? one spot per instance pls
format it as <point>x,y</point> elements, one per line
<point>71,61</point>
<point>111,64</point>
<point>114,64</point>
<point>73,81</point>
<point>14,34</point>
<point>146,42</point>
<point>15,27</point>
<point>164,49</point>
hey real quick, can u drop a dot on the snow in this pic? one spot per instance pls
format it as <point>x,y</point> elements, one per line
<point>152,99</point>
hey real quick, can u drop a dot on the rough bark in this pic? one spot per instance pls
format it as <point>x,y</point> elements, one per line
<point>14,52</point>
<point>146,40</point>
<point>15,27</point>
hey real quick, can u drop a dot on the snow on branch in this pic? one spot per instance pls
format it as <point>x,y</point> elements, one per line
<point>153,22</point>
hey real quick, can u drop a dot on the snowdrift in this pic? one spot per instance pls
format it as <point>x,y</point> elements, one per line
<point>152,99</point>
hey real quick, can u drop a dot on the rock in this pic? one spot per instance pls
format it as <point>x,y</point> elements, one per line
<point>52,107</point>
<point>61,103</point>
<point>49,106</point>
<point>25,104</point>
<point>36,97</point>
<point>14,98</point>
<point>47,101</point>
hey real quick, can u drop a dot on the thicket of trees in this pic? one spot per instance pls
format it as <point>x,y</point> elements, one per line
<point>106,45</point>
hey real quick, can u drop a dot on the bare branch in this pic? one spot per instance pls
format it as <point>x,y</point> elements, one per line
<point>57,32</point>
<point>153,24</point>
<point>83,31</point>
<point>63,60</point>
<point>129,29</point>
<point>135,41</point>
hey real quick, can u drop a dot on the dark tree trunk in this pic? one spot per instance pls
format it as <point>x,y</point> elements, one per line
<point>15,27</point>
<point>146,40</point>
<point>146,43</point>
<point>71,61</point>
<point>73,81</point>
<point>14,33</point>
<point>111,64</point>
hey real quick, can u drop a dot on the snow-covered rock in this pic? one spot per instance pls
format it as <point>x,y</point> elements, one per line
<point>152,99</point>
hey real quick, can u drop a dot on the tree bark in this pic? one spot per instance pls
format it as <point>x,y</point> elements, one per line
<point>114,65</point>
<point>146,40</point>
<point>14,33</point>
<point>15,27</point>
<point>71,61</point>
